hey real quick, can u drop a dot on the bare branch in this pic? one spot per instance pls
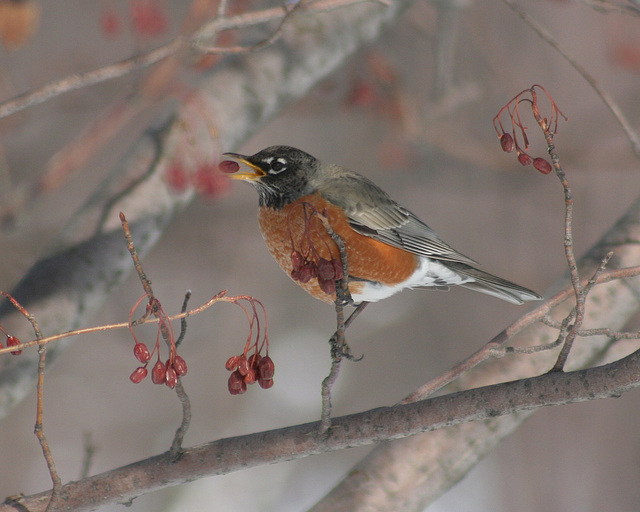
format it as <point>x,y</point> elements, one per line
<point>382,424</point>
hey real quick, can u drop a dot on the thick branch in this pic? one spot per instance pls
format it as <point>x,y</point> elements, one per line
<point>383,424</point>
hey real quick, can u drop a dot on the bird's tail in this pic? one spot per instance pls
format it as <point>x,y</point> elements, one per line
<point>493,285</point>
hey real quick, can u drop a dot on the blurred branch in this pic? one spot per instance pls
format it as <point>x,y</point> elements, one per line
<point>383,424</point>
<point>210,30</point>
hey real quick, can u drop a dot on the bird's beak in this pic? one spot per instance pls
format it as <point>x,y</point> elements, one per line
<point>247,170</point>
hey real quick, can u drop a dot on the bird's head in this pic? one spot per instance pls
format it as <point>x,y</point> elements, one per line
<point>280,174</point>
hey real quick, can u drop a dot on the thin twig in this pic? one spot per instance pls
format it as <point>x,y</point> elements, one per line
<point>80,80</point>
<point>220,297</point>
<point>606,98</point>
<point>89,452</point>
<point>176,445</point>
<point>178,438</point>
<point>39,425</point>
<point>495,349</point>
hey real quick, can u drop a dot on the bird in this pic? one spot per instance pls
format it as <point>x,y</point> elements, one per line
<point>387,247</point>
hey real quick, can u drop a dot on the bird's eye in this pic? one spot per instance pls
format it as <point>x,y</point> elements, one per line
<point>277,166</point>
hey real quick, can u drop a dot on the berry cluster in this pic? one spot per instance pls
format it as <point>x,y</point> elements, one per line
<point>251,366</point>
<point>306,261</point>
<point>166,372</point>
<point>249,370</point>
<point>509,139</point>
<point>161,373</point>
<point>325,271</point>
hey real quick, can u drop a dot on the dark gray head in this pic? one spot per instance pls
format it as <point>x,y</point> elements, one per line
<point>281,174</point>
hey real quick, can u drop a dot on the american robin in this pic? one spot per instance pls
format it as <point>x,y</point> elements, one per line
<point>388,248</point>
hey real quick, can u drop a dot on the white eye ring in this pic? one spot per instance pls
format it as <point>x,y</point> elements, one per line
<point>278,166</point>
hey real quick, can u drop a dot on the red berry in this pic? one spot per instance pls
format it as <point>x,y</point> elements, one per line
<point>254,360</point>
<point>236,384</point>
<point>171,377</point>
<point>243,366</point>
<point>326,270</point>
<point>12,341</point>
<point>265,383</point>
<point>296,260</point>
<point>138,375</point>
<point>524,159</point>
<point>295,275</point>
<point>250,377</point>
<point>266,367</point>
<point>141,352</point>
<point>506,141</point>
<point>158,373</point>
<point>328,286</point>
<point>180,366</point>
<point>232,363</point>
<point>542,165</point>
<point>228,166</point>
<point>308,271</point>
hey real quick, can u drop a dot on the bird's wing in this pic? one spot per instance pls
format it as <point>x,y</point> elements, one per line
<point>373,213</point>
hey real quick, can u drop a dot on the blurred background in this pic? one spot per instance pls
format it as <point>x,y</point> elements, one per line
<point>425,135</point>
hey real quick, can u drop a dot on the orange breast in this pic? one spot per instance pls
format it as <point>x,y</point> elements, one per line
<point>295,227</point>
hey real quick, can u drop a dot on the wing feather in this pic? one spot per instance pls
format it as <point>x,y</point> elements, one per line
<point>371,212</point>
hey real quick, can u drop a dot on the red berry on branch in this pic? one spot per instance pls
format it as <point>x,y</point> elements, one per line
<point>254,361</point>
<point>328,286</point>
<point>308,271</point>
<point>266,368</point>
<point>326,270</point>
<point>250,377</point>
<point>506,141</point>
<point>171,377</point>
<point>265,383</point>
<point>243,366</point>
<point>138,375</point>
<point>232,363</point>
<point>296,260</point>
<point>524,159</point>
<point>12,341</point>
<point>141,352</point>
<point>180,366</point>
<point>542,165</point>
<point>236,384</point>
<point>158,373</point>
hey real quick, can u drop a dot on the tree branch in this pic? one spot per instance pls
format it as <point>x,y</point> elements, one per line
<point>383,424</point>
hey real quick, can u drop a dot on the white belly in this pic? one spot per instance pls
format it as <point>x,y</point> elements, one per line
<point>429,273</point>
